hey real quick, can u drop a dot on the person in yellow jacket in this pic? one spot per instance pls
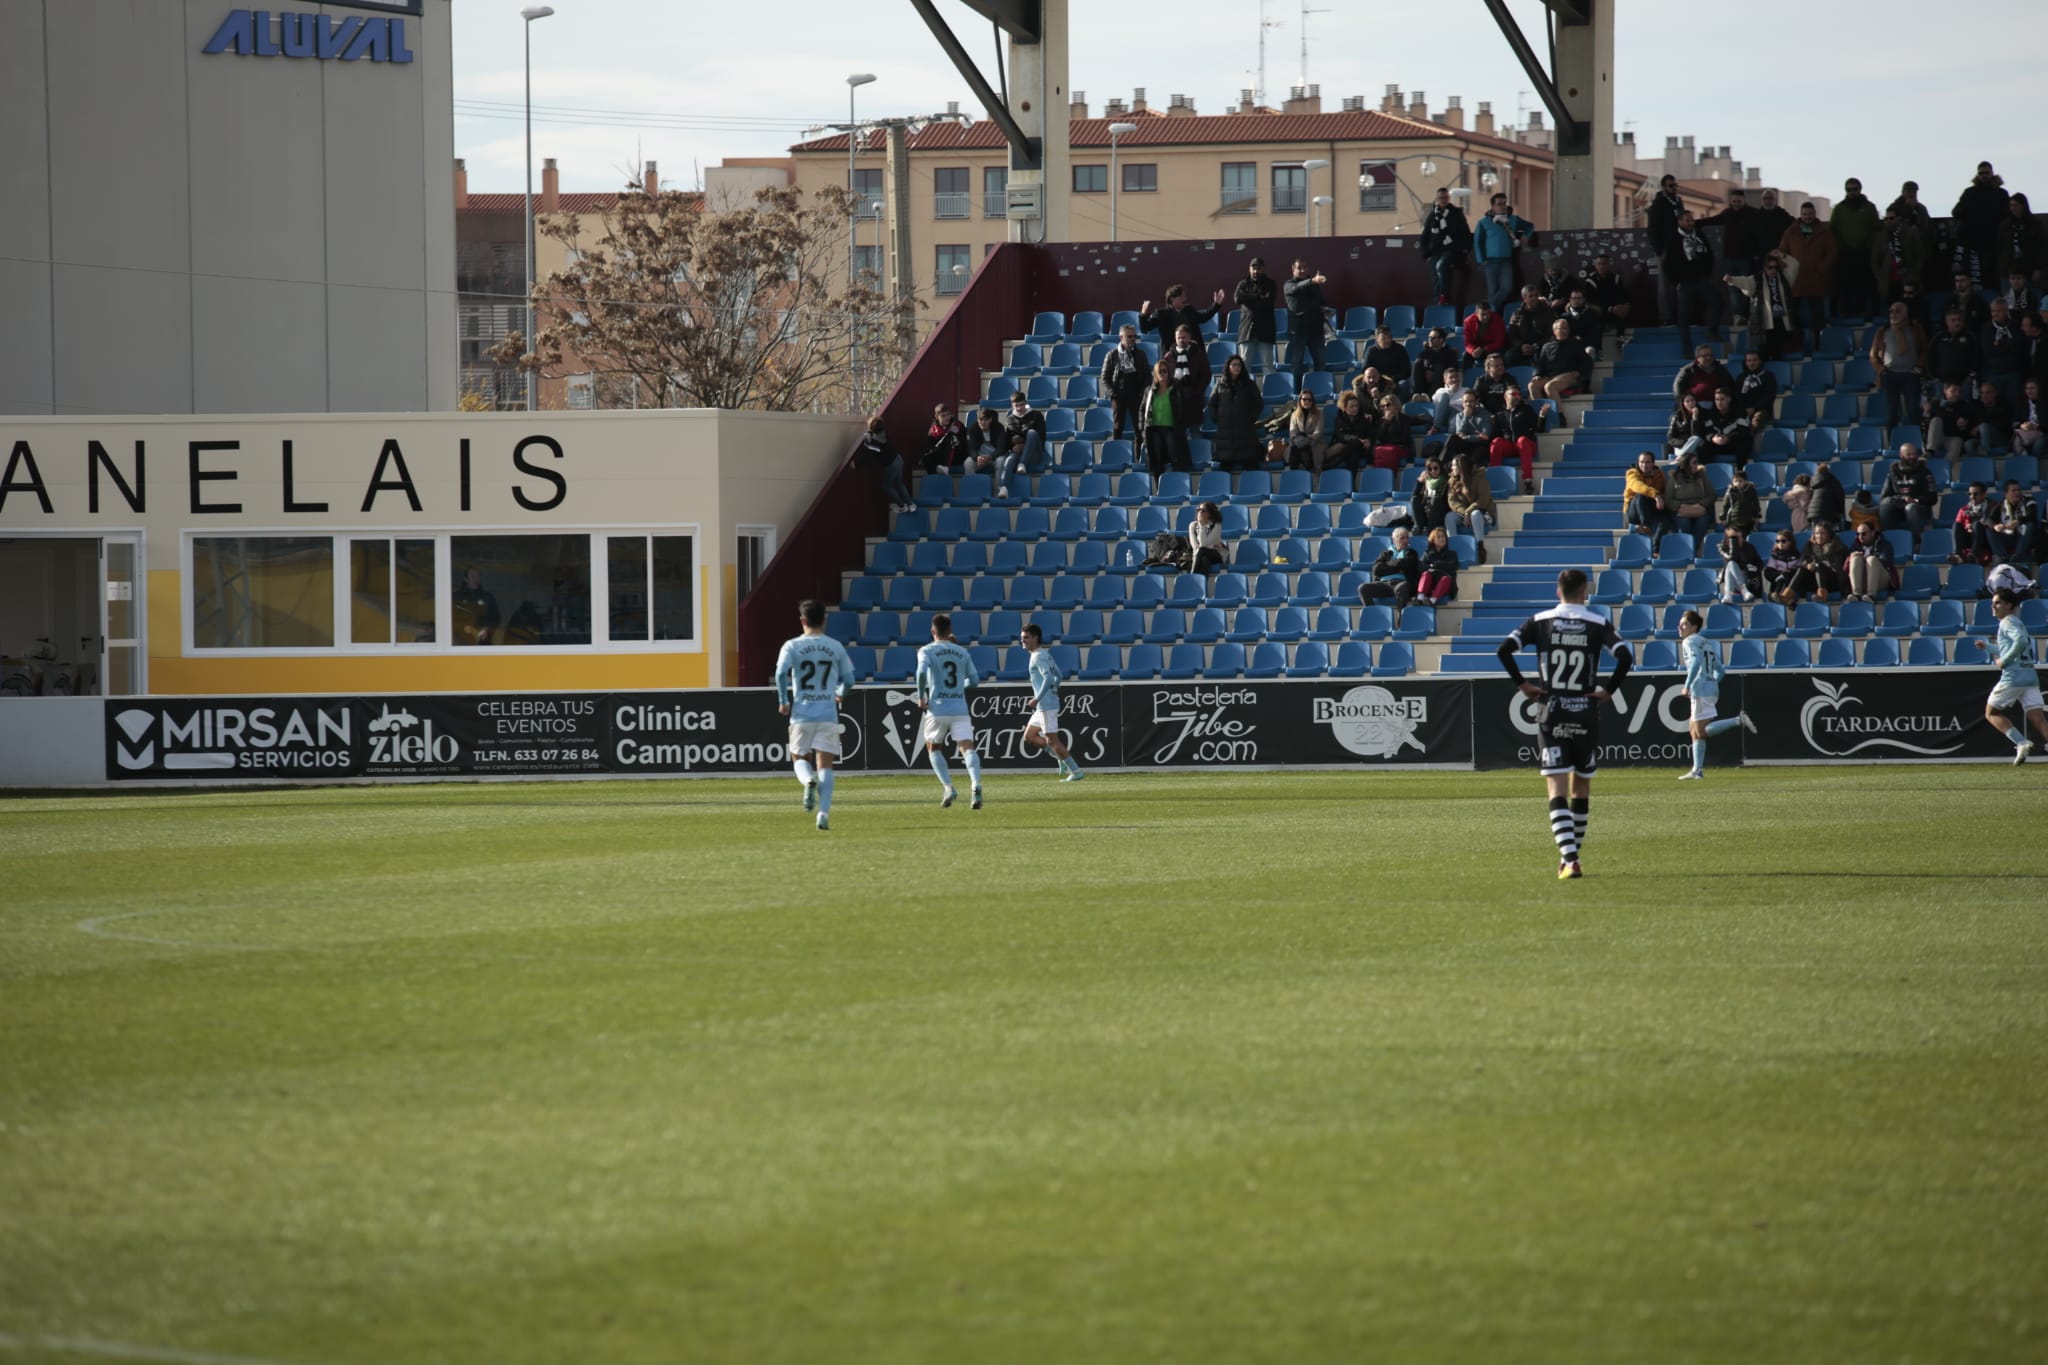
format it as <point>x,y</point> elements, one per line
<point>1643,502</point>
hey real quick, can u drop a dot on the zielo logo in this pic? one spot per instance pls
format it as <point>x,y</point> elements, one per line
<point>1372,722</point>
<point>401,739</point>
<point>1833,730</point>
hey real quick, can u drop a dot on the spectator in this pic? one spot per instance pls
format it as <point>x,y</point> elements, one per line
<point>1236,407</point>
<point>1691,498</point>
<point>1797,495</point>
<point>1862,511</point>
<point>1446,237</point>
<point>476,609</point>
<point>1898,258</point>
<point>1301,435</point>
<point>1471,430</point>
<point>1125,372</point>
<point>1390,358</point>
<point>946,442</point>
<point>1994,421</point>
<point>1431,363</point>
<point>874,449</point>
<point>1953,356</point>
<point>1585,320</point>
<point>1499,236</point>
<point>1911,210</point>
<point>1952,421</point>
<point>2004,350</point>
<point>1663,231</point>
<point>1485,333</point>
<point>1983,205</point>
<point>1828,505</point>
<point>1968,527</point>
<point>1430,503</point>
<point>1023,445</point>
<point>1371,386</point>
<point>1177,313</point>
<point>1394,573</point>
<point>1974,306</point>
<point>1515,428</point>
<point>1899,352</point>
<point>1854,224</point>
<point>1809,243</point>
<point>1608,292</point>
<point>1771,222</point>
<point>1162,424</point>
<point>1190,361</point>
<point>1493,384</point>
<point>1701,377</point>
<point>1689,264</point>
<point>1393,437</point>
<point>1733,437</point>
<point>1741,506</point>
<point>1557,283</point>
<point>1909,498</point>
<point>1205,539</point>
<point>1447,398</point>
<point>1563,366</point>
<point>1305,321</point>
<point>1916,304</point>
<point>1257,333</point>
<point>1780,567</point>
<point>1756,390</point>
<point>1642,499</point>
<point>2029,416</point>
<point>1740,250</point>
<point>2010,533</point>
<point>1769,299</point>
<point>1351,432</point>
<point>988,438</point>
<point>1439,582</point>
<point>1529,329</point>
<point>1822,569</point>
<point>1469,502</point>
<point>1870,565</point>
<point>2019,295</point>
<point>1741,576</point>
<point>2021,247</point>
<point>1689,428</point>
<point>2034,341</point>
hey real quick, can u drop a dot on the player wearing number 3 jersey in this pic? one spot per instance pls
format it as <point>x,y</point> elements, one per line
<point>945,671</point>
<point>1568,639</point>
<point>811,675</point>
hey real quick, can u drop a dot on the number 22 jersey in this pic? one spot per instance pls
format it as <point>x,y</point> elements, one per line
<point>1568,639</point>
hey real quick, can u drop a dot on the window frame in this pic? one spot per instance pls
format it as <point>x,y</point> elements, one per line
<point>1280,201</point>
<point>1250,204</point>
<point>1125,168</point>
<point>963,196</point>
<point>1391,189</point>
<point>1091,166</point>
<point>942,268</point>
<point>999,196</point>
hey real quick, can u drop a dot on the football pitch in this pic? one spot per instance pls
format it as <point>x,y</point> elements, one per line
<point>1194,1067</point>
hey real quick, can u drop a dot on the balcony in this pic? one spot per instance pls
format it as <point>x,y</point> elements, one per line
<point>994,204</point>
<point>947,205</point>
<point>1240,201</point>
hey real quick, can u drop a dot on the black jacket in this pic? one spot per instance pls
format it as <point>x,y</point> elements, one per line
<point>1606,291</point>
<point>1561,357</point>
<point>1119,383</point>
<point>1978,212</point>
<point>947,445</point>
<point>1236,410</point>
<point>1256,297</point>
<point>1756,391</point>
<point>1828,503</point>
<point>1427,374</point>
<point>1305,309</point>
<point>1514,423</point>
<point>1742,231</point>
<point>1430,508</point>
<point>1531,328</point>
<point>1174,397</point>
<point>1686,425</point>
<point>1014,424</point>
<point>1445,230</point>
<point>1402,564</point>
<point>1166,321</point>
<point>1915,484</point>
<point>1663,221</point>
<point>1492,392</point>
<point>1682,266</point>
<point>1391,361</point>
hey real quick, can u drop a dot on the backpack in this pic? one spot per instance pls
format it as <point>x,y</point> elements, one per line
<point>1167,549</point>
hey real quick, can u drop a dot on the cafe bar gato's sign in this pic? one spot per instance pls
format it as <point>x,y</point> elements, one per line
<point>318,37</point>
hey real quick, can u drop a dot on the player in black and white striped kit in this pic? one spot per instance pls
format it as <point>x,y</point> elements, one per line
<point>1568,639</point>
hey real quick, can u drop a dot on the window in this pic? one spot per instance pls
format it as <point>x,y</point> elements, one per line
<point>262,592</point>
<point>1290,189</point>
<point>949,192</point>
<point>1240,187</point>
<point>1142,178</point>
<point>756,548</point>
<point>391,591</point>
<point>1091,180</point>
<point>651,582</point>
<point>867,191</point>
<point>1376,188</point>
<point>867,260</point>
<point>580,392</point>
<point>520,590</point>
<point>952,259</point>
<point>995,183</point>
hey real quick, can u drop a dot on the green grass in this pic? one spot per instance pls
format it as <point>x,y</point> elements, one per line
<point>1294,1067</point>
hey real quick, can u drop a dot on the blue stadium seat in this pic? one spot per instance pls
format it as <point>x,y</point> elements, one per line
<point>1075,459</point>
<point>1071,523</point>
<point>897,663</point>
<point>1723,622</point>
<point>1854,620</point>
<point>1175,488</point>
<point>1353,660</point>
<point>1273,522</point>
<point>1124,627</point>
<point>1656,587</point>
<point>1965,582</point>
<point>1311,660</point>
<point>1227,590</point>
<point>991,524</point>
<point>1142,661</point>
<point>1835,654</point>
<point>1183,662</point>
<point>1289,625</point>
<point>1744,655</point>
<point>904,594</point>
<point>1132,490</point>
<point>1001,626</point>
<point>1025,594</point>
<point>889,557</point>
<point>1049,327</point>
<point>1268,661</point>
<point>1090,490</point>
<point>1111,523</point>
<point>1943,618</point>
<point>1924,651</point>
<point>1248,556</point>
<point>1188,591</point>
<point>1632,552</point>
<point>1065,592</point>
<point>1085,328</point>
<point>1612,588</point>
<point>1084,627</point>
<point>1359,323</point>
<point>1226,661</point>
<point>1674,551</point>
<point>1277,387</point>
<point>1900,620</point>
<point>910,526</point>
<point>1766,621</point>
<point>1247,626</point>
<point>1397,658</point>
<point>1146,592</point>
<point>1292,553</point>
<point>1637,622</point>
<point>1791,654</point>
<point>1102,663</point>
<point>1007,557</point>
<point>1268,590</point>
<point>1095,424</point>
<point>1051,490</point>
<point>1375,484</point>
<point>1311,589</point>
<point>1937,543</point>
<point>1113,457</point>
<point>1168,625</point>
<point>1375,622</point>
<point>863,594</point>
<point>1400,319</point>
<point>843,626</point>
<point>1660,655</point>
<point>1294,486</point>
<point>1205,626</point>
<point>1697,587</point>
<point>1334,554</point>
<point>1417,623</point>
<point>1881,653</point>
<point>1331,623</point>
<point>1334,485</point>
<point>879,629</point>
<point>945,593</point>
<point>1809,622</point>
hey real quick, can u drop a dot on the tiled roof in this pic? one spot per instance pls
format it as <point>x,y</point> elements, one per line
<point>1367,125</point>
<point>578,202</point>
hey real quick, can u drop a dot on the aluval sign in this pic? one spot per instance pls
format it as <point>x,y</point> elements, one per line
<point>319,37</point>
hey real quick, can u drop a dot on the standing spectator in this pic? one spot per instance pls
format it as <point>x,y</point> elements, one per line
<point>1855,226</point>
<point>1608,292</point>
<point>2010,532</point>
<point>1515,428</point>
<point>1809,242</point>
<point>1205,539</point>
<point>1662,232</point>
<point>1829,503</point>
<point>1177,313</point>
<point>1190,361</point>
<point>1439,570</point>
<point>1953,356</point>
<point>1236,407</point>
<point>2029,418</point>
<point>1769,294</point>
<point>1741,506</point>
<point>1733,437</point>
<point>2019,295</point>
<point>1485,333</point>
<point>1911,210</point>
<point>1739,249</point>
<point>1432,361</point>
<point>1125,372</point>
<point>1430,503</point>
<point>2022,247</point>
<point>1585,320</point>
<point>1741,577</point>
<point>1469,502</point>
<point>1257,333</point>
<point>1563,366</point>
<point>1390,358</point>
<point>1642,499</point>
<point>1909,498</point>
<point>1394,573</point>
<point>1898,259</point>
<point>1162,424</point>
<point>1869,564</point>
<point>1446,237</point>
<point>947,445</point>
<point>1304,321</point>
<point>1530,327</point>
<point>1351,432</point>
<point>1024,444</point>
<point>1899,352</point>
<point>1771,222</point>
<point>1916,304</point>
<point>1471,430</point>
<point>1994,421</point>
<point>1756,390</point>
<point>1691,498</point>
<point>2035,342</point>
<point>1495,242</point>
<point>1689,263</point>
<point>1689,427</point>
<point>1781,566</point>
<point>874,449</point>
<point>2003,348</point>
<point>1970,303</point>
<point>1393,437</point>
<point>1978,212</point>
<point>1822,569</point>
<point>1952,420</point>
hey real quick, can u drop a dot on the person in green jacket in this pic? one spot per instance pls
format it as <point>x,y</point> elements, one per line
<point>1855,224</point>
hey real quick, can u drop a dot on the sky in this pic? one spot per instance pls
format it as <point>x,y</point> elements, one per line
<point>1809,92</point>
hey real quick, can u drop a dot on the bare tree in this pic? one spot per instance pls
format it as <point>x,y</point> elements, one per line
<point>683,307</point>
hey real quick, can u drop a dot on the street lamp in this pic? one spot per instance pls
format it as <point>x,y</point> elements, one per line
<point>853,83</point>
<point>1313,204</point>
<point>1315,165</point>
<point>529,14</point>
<point>1116,130</point>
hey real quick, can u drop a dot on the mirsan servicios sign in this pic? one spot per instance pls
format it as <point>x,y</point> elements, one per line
<point>318,37</point>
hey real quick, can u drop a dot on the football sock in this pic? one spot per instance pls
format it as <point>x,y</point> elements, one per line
<point>1563,829</point>
<point>939,766</point>
<point>974,767</point>
<point>1722,727</point>
<point>1699,755</point>
<point>1581,808</point>
<point>825,792</point>
<point>805,772</point>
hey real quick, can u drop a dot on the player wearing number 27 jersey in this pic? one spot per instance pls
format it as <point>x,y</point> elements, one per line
<point>811,674</point>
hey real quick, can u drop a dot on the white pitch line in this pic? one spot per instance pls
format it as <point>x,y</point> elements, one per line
<point>122,1350</point>
<point>96,927</point>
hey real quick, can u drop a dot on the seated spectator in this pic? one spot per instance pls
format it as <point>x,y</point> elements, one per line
<point>1433,362</point>
<point>1732,439</point>
<point>1163,424</point>
<point>2012,531</point>
<point>1390,358</point>
<point>1870,565</point>
<point>1769,292</point>
<point>1529,329</point>
<point>1298,435</point>
<point>1563,366</point>
<point>2003,348</point>
<point>1448,399</point>
<point>946,443</point>
<point>1558,284</point>
<point>1756,391</point>
<point>1741,507</point>
<point>1970,520</point>
<point>1394,573</point>
<point>1994,422</point>
<point>1642,499</point>
<point>1701,377</point>
<point>1952,420</point>
<point>1781,566</point>
<point>1469,502</point>
<point>1393,437</point>
<point>1608,292</point>
<point>1439,583</point>
<point>1587,324</point>
<point>2029,418</point>
<point>1023,444</point>
<point>1690,426</point>
<point>987,439</point>
<point>1493,384</point>
<point>1796,496</point>
<point>1691,498</point>
<point>1829,499</point>
<point>1236,407</point>
<point>1741,577</point>
<point>1430,503</point>
<point>1124,375</point>
<point>1371,386</point>
<point>874,449</point>
<point>1350,436</point>
<point>1972,305</point>
<point>1485,333</point>
<point>1190,361</point>
<point>1821,569</point>
<point>1515,428</point>
<point>1909,498</point>
<point>1863,512</point>
<point>1471,430</point>
<point>1952,355</point>
<point>1205,539</point>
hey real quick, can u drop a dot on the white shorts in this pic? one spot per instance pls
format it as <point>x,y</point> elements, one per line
<point>1045,722</point>
<point>939,729</point>
<point>806,736</point>
<point>1705,708</point>
<point>2004,696</point>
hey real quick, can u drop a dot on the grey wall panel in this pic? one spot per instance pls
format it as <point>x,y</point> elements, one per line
<point>124,340</point>
<point>119,191</point>
<point>25,147</point>
<point>259,346</point>
<point>258,192</point>
<point>437,97</point>
<point>26,373</point>
<point>378,350</point>
<point>376,205</point>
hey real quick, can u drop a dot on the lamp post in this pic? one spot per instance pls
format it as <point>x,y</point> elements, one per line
<point>1313,205</point>
<point>1307,166</point>
<point>529,14</point>
<point>1116,130</point>
<point>853,83</point>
